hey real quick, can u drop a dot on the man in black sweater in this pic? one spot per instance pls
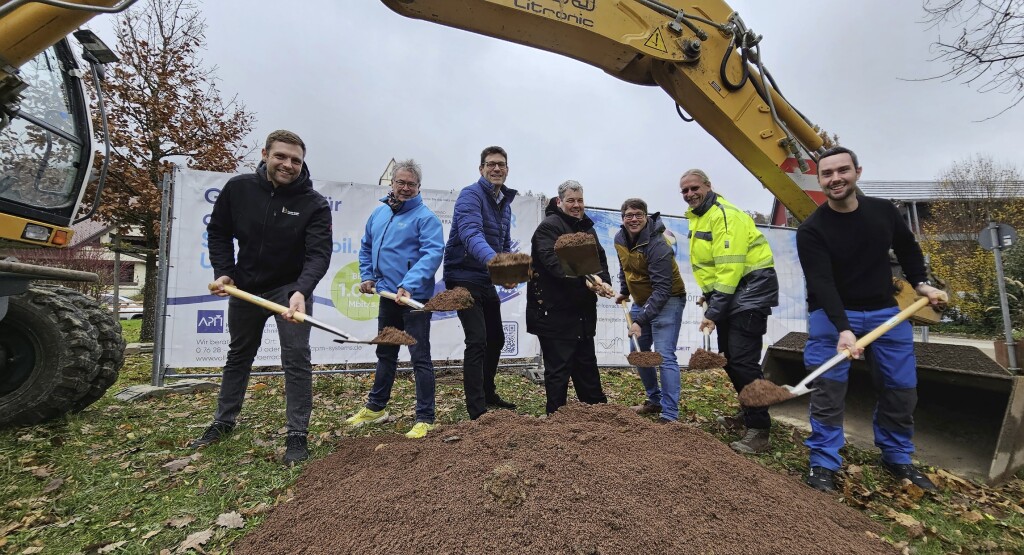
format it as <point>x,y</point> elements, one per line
<point>562,310</point>
<point>844,251</point>
<point>283,228</point>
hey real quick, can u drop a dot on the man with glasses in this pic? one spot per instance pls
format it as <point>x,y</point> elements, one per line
<point>481,228</point>
<point>400,253</point>
<point>735,270</point>
<point>648,272</point>
<point>562,310</point>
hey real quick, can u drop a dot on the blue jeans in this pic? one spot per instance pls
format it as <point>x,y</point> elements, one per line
<point>245,323</point>
<point>893,372</point>
<point>663,333</point>
<point>416,324</point>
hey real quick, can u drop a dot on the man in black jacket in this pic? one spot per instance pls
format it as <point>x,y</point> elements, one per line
<point>562,311</point>
<point>283,228</point>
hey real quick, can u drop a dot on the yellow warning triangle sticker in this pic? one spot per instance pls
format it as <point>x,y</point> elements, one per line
<point>656,42</point>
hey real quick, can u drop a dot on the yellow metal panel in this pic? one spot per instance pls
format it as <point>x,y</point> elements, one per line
<point>34,27</point>
<point>12,227</point>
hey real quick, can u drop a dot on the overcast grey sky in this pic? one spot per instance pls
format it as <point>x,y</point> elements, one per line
<point>362,84</point>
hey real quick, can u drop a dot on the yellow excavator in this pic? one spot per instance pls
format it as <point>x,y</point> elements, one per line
<point>709,61</point>
<point>60,350</point>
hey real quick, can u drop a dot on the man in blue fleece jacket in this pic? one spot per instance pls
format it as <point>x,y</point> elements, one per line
<point>283,228</point>
<point>400,253</point>
<point>481,228</point>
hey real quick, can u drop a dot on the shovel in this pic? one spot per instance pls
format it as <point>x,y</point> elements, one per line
<point>704,358</point>
<point>299,317</point>
<point>579,258</point>
<point>801,388</point>
<point>657,359</point>
<point>762,393</point>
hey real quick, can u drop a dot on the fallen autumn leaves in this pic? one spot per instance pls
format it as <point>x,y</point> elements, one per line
<point>116,477</point>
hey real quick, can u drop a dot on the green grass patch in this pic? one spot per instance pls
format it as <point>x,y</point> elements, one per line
<point>130,330</point>
<point>120,472</point>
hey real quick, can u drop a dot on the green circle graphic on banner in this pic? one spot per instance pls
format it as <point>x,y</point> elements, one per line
<point>347,298</point>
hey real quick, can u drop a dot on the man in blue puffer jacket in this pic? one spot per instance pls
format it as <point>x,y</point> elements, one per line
<point>481,228</point>
<point>400,253</point>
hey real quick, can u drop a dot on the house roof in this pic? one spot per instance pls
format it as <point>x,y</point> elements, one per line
<point>931,191</point>
<point>88,231</point>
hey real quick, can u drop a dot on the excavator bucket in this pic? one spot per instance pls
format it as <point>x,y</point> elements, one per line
<point>969,409</point>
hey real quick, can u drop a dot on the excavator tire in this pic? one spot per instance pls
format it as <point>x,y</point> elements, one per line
<point>108,366</point>
<point>48,354</point>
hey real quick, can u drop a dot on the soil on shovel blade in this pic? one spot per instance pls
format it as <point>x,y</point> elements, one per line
<point>509,267</point>
<point>574,240</point>
<point>589,479</point>
<point>645,359</point>
<point>451,299</point>
<point>703,359</point>
<point>763,393</point>
<point>393,336</point>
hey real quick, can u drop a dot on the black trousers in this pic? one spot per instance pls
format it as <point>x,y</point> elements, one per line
<point>570,358</point>
<point>485,338</point>
<point>740,338</point>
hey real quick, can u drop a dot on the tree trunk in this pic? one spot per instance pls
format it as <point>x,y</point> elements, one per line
<point>149,297</point>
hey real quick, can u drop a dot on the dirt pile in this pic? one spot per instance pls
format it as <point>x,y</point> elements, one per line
<point>451,299</point>
<point>589,479</point>
<point>645,359</point>
<point>763,393</point>
<point>509,267</point>
<point>394,336</point>
<point>702,359</point>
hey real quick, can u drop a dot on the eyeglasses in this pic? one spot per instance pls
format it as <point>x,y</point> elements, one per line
<point>631,216</point>
<point>492,165</point>
<point>684,190</point>
<point>402,183</point>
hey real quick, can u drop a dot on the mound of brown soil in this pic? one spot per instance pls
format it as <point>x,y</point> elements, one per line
<point>394,336</point>
<point>451,299</point>
<point>588,480</point>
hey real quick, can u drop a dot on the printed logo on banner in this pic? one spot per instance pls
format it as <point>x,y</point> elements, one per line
<point>511,346</point>
<point>210,321</point>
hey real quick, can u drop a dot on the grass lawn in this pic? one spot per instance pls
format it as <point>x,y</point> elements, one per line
<point>116,478</point>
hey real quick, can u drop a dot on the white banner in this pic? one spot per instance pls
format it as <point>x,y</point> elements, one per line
<point>790,315</point>
<point>197,332</point>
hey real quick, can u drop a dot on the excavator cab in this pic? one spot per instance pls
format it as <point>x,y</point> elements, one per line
<point>45,151</point>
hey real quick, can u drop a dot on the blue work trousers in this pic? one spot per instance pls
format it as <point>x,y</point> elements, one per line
<point>894,374</point>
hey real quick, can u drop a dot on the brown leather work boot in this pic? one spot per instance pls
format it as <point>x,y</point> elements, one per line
<point>756,441</point>
<point>646,408</point>
<point>734,423</point>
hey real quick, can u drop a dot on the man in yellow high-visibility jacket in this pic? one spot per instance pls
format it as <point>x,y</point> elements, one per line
<point>735,270</point>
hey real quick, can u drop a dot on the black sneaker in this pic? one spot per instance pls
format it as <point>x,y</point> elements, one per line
<point>501,403</point>
<point>213,434</point>
<point>909,472</point>
<point>297,449</point>
<point>821,479</point>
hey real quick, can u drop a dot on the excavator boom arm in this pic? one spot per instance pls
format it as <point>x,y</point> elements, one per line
<point>699,52</point>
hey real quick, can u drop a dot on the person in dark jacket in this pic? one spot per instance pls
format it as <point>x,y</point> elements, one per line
<point>844,252</point>
<point>481,228</point>
<point>735,270</point>
<point>648,272</point>
<point>562,310</point>
<point>400,252</point>
<point>283,229</point>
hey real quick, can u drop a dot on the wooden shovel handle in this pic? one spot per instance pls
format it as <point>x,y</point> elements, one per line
<point>629,325</point>
<point>415,304</point>
<point>259,301</point>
